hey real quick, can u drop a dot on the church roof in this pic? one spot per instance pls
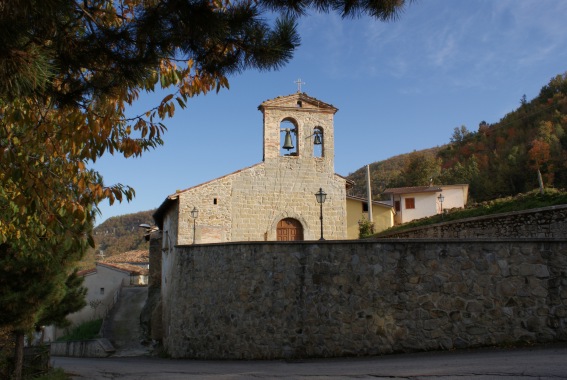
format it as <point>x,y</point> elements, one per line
<point>349,183</point>
<point>161,210</point>
<point>291,101</point>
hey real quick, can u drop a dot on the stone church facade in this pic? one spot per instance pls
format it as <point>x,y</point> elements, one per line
<point>272,200</point>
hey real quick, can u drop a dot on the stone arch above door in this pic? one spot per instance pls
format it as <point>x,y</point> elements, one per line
<point>289,229</point>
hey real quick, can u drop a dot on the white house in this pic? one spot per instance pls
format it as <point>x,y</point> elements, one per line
<point>103,284</point>
<point>418,202</point>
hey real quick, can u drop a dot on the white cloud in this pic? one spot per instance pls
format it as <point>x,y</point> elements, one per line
<point>462,44</point>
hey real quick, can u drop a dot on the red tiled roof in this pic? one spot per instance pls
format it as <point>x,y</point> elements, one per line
<point>413,189</point>
<point>129,268</point>
<point>378,203</point>
<point>137,256</point>
<point>299,95</point>
<point>84,272</point>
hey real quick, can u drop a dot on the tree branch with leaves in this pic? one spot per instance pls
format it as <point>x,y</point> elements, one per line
<point>69,72</point>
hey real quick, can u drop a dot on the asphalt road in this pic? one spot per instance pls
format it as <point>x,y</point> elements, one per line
<point>539,362</point>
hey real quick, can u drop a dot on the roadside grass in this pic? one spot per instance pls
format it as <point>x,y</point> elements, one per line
<point>84,331</point>
<point>530,200</point>
<point>53,374</point>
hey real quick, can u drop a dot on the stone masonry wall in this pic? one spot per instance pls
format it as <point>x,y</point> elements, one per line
<point>271,300</point>
<point>248,204</point>
<point>536,223</point>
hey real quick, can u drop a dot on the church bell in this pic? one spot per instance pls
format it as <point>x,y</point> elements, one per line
<point>317,139</point>
<point>288,144</point>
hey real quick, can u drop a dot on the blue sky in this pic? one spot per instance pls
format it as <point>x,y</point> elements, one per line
<point>399,86</point>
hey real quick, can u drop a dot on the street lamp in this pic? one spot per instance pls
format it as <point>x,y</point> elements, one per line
<point>441,198</point>
<point>194,215</point>
<point>321,196</point>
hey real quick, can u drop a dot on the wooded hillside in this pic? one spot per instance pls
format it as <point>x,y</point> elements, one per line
<point>118,234</point>
<point>497,160</point>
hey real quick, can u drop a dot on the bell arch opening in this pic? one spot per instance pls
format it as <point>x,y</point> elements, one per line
<point>288,137</point>
<point>318,142</point>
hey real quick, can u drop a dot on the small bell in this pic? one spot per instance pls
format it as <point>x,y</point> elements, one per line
<point>288,144</point>
<point>317,139</point>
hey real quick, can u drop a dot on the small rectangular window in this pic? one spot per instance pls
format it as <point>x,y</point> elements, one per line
<point>397,206</point>
<point>364,206</point>
<point>101,291</point>
<point>410,203</point>
<point>214,201</point>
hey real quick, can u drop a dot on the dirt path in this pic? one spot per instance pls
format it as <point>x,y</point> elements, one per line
<point>124,329</point>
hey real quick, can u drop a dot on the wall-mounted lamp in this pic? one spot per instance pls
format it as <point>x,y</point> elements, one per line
<point>148,230</point>
<point>194,215</point>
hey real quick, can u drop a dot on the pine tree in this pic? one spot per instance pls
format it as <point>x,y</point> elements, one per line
<point>68,71</point>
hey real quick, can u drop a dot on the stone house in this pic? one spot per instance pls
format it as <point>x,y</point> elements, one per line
<point>275,199</point>
<point>418,202</point>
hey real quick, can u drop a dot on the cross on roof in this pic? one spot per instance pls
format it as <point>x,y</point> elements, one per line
<point>299,83</point>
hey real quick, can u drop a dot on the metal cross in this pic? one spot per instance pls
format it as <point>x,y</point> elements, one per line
<point>299,83</point>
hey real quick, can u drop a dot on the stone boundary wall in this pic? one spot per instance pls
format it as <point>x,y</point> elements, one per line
<point>548,222</point>
<point>92,348</point>
<point>271,300</point>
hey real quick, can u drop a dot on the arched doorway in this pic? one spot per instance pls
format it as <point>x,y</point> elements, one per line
<point>289,229</point>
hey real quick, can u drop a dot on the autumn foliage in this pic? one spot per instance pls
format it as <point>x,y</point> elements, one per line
<point>501,159</point>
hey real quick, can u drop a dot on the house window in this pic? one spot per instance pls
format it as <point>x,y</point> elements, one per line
<point>410,203</point>
<point>397,206</point>
<point>364,206</point>
<point>101,291</point>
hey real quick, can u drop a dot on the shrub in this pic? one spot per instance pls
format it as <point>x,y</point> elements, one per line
<point>84,331</point>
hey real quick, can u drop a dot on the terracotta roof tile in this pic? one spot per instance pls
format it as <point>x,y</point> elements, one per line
<point>132,269</point>
<point>136,256</point>
<point>413,189</point>
<point>84,272</point>
<point>378,203</point>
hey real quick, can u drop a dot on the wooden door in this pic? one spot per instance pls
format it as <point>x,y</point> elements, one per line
<point>289,229</point>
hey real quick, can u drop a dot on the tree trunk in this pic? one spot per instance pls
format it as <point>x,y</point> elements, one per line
<point>18,355</point>
<point>540,181</point>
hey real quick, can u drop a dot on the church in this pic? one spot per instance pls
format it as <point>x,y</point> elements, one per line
<point>293,194</point>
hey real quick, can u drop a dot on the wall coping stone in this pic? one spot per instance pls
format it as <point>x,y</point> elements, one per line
<point>479,218</point>
<point>381,240</point>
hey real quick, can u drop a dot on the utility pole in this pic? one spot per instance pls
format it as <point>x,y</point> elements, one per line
<point>369,193</point>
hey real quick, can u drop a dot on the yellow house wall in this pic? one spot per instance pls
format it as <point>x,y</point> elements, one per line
<point>383,217</point>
